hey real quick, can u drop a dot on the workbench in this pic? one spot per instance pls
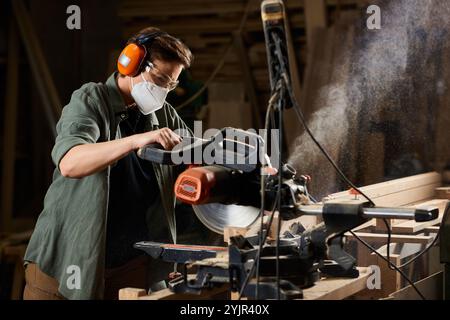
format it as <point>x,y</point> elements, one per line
<point>325,289</point>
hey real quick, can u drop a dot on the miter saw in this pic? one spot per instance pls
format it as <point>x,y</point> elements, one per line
<point>227,194</point>
<point>235,185</point>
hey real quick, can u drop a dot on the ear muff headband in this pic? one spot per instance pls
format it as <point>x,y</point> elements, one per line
<point>134,54</point>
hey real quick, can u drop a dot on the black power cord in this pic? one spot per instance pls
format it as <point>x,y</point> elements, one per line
<point>263,191</point>
<point>262,235</point>
<point>258,254</point>
<point>280,108</point>
<point>390,264</point>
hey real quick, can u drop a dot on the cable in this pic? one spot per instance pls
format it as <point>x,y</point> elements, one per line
<point>280,178</point>
<point>388,244</point>
<point>257,257</point>
<point>263,191</point>
<point>262,239</point>
<point>390,264</point>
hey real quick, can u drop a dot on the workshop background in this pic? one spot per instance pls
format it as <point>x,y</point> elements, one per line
<point>378,100</point>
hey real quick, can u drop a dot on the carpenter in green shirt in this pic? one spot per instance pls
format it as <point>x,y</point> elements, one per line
<point>103,197</point>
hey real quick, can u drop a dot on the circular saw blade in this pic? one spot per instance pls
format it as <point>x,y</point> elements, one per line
<point>217,216</point>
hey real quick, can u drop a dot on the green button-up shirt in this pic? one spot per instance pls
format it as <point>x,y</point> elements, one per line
<point>70,233</point>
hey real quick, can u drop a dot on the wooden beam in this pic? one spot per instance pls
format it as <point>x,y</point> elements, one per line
<point>131,293</point>
<point>41,73</point>
<point>433,229</point>
<point>315,17</point>
<point>10,125</point>
<point>390,280</point>
<point>195,8</point>
<point>229,232</point>
<point>191,25</point>
<point>248,78</point>
<point>399,192</point>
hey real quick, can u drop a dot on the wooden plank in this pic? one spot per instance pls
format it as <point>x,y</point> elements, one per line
<point>273,231</point>
<point>401,252</point>
<point>131,293</point>
<point>337,288</point>
<point>431,229</point>
<point>406,197</point>
<point>10,125</point>
<point>368,224</point>
<point>390,282</point>
<point>431,287</point>
<point>443,193</point>
<point>398,192</point>
<point>229,232</point>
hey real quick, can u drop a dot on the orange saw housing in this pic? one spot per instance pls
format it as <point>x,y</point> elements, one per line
<point>194,185</point>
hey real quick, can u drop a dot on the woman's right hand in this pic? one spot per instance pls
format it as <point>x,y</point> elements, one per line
<point>165,137</point>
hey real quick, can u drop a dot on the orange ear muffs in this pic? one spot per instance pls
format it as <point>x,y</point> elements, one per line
<point>131,58</point>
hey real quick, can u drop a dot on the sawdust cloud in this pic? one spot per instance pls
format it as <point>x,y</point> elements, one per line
<point>377,75</point>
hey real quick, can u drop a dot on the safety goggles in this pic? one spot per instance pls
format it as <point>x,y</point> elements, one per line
<point>159,78</point>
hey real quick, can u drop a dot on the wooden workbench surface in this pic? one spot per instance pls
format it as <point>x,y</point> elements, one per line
<point>337,288</point>
<point>325,289</point>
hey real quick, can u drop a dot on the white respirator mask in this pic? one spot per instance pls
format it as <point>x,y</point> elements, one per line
<point>148,96</point>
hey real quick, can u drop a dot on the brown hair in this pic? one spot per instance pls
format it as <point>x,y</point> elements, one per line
<point>165,47</point>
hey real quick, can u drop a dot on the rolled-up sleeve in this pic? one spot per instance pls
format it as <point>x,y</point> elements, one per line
<point>79,124</point>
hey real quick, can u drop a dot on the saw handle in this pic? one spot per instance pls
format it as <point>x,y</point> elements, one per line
<point>156,153</point>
